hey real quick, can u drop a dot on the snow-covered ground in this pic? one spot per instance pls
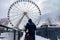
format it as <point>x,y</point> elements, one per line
<point>9,36</point>
<point>37,37</point>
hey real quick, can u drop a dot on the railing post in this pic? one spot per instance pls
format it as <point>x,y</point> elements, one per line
<point>14,34</point>
<point>18,35</point>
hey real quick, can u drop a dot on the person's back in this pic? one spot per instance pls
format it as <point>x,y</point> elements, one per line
<point>31,28</point>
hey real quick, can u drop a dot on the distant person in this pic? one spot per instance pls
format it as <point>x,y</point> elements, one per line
<point>31,27</point>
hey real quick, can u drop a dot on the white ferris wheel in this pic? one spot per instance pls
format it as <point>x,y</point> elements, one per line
<point>22,10</point>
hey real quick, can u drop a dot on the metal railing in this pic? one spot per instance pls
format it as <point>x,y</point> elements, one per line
<point>8,29</point>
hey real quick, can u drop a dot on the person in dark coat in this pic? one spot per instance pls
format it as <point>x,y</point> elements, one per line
<point>31,27</point>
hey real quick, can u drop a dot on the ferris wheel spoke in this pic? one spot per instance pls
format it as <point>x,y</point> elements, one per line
<point>32,8</point>
<point>27,16</point>
<point>12,19</point>
<point>20,20</point>
<point>33,15</point>
<point>17,13</point>
<point>18,8</point>
<point>29,6</point>
<point>14,12</point>
<point>14,15</point>
<point>18,5</point>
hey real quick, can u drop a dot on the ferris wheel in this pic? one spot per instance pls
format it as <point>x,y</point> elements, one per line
<point>22,10</point>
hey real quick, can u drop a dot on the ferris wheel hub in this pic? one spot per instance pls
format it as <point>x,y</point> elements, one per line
<point>25,13</point>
